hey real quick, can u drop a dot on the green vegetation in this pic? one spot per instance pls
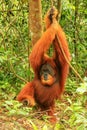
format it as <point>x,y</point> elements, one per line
<point>15,70</point>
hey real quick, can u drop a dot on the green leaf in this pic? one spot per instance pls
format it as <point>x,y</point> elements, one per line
<point>58,127</point>
<point>82,89</point>
<point>9,103</point>
<point>81,127</point>
<point>34,126</point>
<point>12,112</point>
<point>45,127</point>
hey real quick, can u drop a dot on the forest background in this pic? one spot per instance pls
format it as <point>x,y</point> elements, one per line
<point>15,46</point>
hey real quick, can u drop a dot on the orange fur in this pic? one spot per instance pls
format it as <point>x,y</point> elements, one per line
<point>43,95</point>
<point>27,93</point>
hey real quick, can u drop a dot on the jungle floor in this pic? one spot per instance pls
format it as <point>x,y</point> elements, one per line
<point>36,120</point>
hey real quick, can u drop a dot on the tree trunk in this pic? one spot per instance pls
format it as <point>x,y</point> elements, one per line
<point>35,20</point>
<point>35,25</point>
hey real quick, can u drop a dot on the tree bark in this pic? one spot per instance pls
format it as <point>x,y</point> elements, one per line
<point>35,25</point>
<point>35,20</point>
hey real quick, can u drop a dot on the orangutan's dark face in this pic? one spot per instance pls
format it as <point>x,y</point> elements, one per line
<point>47,74</point>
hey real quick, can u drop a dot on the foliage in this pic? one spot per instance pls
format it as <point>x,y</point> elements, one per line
<point>15,108</point>
<point>14,67</point>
